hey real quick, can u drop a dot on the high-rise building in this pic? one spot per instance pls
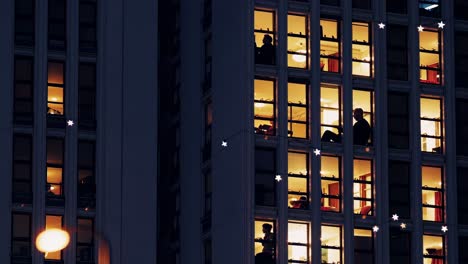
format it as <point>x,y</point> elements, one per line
<point>256,132</point>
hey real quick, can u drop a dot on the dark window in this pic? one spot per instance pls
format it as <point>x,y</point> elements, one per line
<point>21,238</point>
<point>397,6</point>
<point>398,120</point>
<point>363,246</point>
<point>330,2</point>
<point>86,175</point>
<point>207,251</point>
<point>462,253</point>
<point>429,8</point>
<point>461,58</point>
<point>462,126</point>
<point>265,171</point>
<point>462,192</point>
<point>24,22</point>
<point>400,246</point>
<point>57,24</point>
<point>399,184</point>
<point>54,188</point>
<point>85,241</point>
<point>397,52</point>
<point>362,4</point>
<point>460,9</point>
<point>22,169</point>
<point>23,93</point>
<point>87,96</point>
<point>87,26</point>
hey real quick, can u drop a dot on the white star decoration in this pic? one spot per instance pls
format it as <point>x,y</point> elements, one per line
<point>420,28</point>
<point>441,24</point>
<point>70,123</point>
<point>375,229</point>
<point>224,143</point>
<point>395,217</point>
<point>403,225</point>
<point>381,25</point>
<point>317,152</point>
<point>444,229</point>
<point>278,178</point>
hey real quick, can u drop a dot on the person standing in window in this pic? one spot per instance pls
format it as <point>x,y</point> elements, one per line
<point>266,54</point>
<point>268,243</point>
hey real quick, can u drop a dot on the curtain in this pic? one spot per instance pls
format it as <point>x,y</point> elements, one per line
<point>333,64</point>
<point>432,74</point>
<point>438,261</point>
<point>438,202</point>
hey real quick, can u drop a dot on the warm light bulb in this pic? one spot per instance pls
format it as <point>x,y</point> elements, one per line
<point>52,187</point>
<point>259,105</point>
<point>299,57</point>
<point>52,240</point>
<point>54,99</point>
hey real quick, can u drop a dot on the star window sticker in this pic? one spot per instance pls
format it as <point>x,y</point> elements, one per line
<point>420,28</point>
<point>278,178</point>
<point>381,25</point>
<point>70,123</point>
<point>403,226</point>
<point>317,152</point>
<point>395,217</point>
<point>441,24</point>
<point>224,143</point>
<point>444,229</point>
<point>375,229</point>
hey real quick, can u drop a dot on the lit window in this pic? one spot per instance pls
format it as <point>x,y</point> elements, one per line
<point>330,114</point>
<point>399,188</point>
<point>429,57</point>
<point>362,60</point>
<point>265,242</point>
<point>363,246</point>
<point>362,132</point>
<point>429,8</point>
<point>57,24</point>
<point>264,107</point>
<point>298,180</point>
<point>400,246</point>
<point>85,241</point>
<point>433,249</point>
<point>53,221</point>
<point>298,243</point>
<point>398,120</point>
<point>86,178</point>
<point>21,238</point>
<point>22,169</point>
<point>297,41</point>
<point>55,87</point>
<point>330,56</point>
<point>431,125</point>
<point>397,52</point>
<point>331,244</point>
<point>23,92</point>
<point>331,183</point>
<point>264,30</point>
<point>265,173</point>
<point>297,110</point>
<point>363,186</point>
<point>462,195</point>
<point>54,189</point>
<point>432,194</point>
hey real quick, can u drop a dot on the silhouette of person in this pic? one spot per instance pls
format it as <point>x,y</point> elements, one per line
<point>361,130</point>
<point>266,54</point>
<point>268,243</point>
<point>300,204</point>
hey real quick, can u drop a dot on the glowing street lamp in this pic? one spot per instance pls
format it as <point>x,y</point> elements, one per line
<point>52,240</point>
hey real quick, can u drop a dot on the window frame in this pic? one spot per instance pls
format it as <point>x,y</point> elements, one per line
<point>363,43</point>
<point>358,250</point>
<point>84,202</point>
<point>339,109</point>
<point>22,38</point>
<point>29,196</point>
<point>393,48</point>
<point>370,141</point>
<point>299,36</point>
<point>336,40</point>
<point>20,117</point>
<point>431,69</point>
<point>261,131</point>
<point>58,86</point>
<point>90,46</point>
<point>298,244</point>
<point>14,239</point>
<point>441,190</point>
<point>90,246</point>
<point>340,247</point>
<point>306,177</point>
<point>399,117</point>
<point>262,172</point>
<point>364,200</point>
<point>56,200</point>
<point>291,106</point>
<point>431,256</point>
<point>84,89</point>
<point>435,120</point>
<point>61,42</point>
<point>271,32</point>
<point>338,180</point>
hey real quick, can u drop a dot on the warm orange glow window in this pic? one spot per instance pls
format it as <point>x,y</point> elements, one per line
<point>432,194</point>
<point>298,242</point>
<point>54,221</point>
<point>429,57</point>
<point>265,240</point>
<point>298,178</point>
<point>331,244</point>
<point>363,187</point>
<point>330,57</point>
<point>264,107</point>
<point>362,54</point>
<point>297,41</point>
<point>54,168</point>
<point>433,249</point>
<point>431,125</point>
<point>55,88</point>
<point>330,109</point>
<point>330,183</point>
<point>264,31</point>
<point>297,110</point>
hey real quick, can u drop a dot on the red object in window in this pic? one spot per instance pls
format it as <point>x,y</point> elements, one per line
<point>438,211</point>
<point>333,64</point>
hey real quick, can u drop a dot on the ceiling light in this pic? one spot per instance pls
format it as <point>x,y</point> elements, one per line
<point>299,57</point>
<point>430,7</point>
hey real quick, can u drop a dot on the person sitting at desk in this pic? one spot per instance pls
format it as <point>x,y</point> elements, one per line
<point>268,243</point>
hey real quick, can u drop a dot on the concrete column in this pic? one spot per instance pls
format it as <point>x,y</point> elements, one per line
<point>6,128</point>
